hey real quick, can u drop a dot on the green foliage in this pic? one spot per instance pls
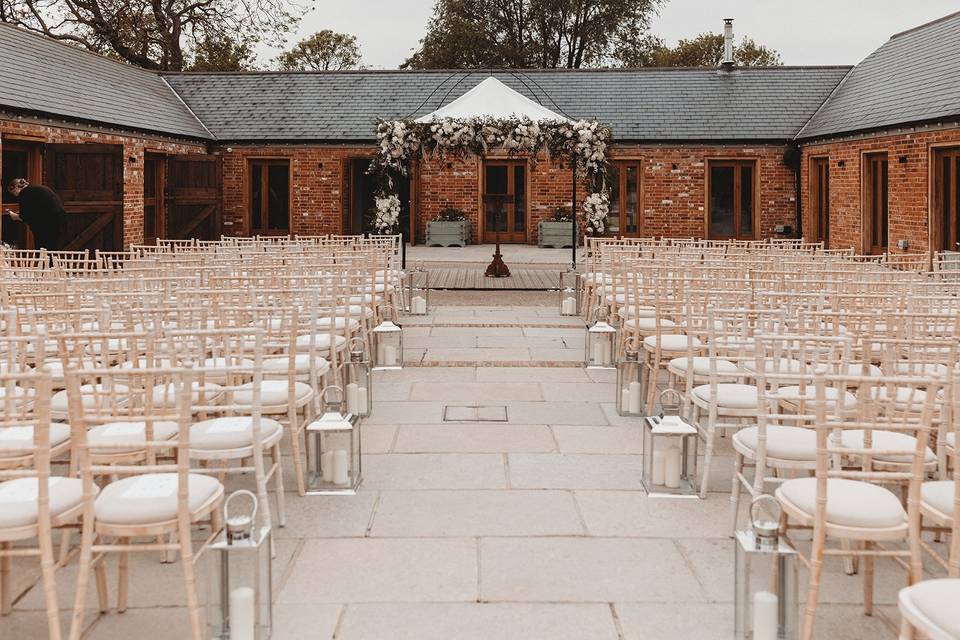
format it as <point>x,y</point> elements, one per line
<point>706,50</point>
<point>224,54</point>
<point>323,51</point>
<point>548,34</point>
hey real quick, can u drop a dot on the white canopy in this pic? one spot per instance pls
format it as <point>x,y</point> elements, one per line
<point>492,98</point>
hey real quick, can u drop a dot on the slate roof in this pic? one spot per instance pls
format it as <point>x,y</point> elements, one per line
<point>43,76</point>
<point>754,104</point>
<point>913,77</point>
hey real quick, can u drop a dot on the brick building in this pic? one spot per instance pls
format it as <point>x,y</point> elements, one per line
<point>827,152</point>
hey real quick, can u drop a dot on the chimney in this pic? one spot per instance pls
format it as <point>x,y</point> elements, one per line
<point>727,62</point>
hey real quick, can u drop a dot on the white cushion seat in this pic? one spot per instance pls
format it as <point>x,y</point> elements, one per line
<point>353,311</point>
<point>730,395</point>
<point>340,322</point>
<point>365,298</point>
<point>232,432</point>
<point>850,503</point>
<point>242,367</point>
<point>951,439</point>
<point>127,433</point>
<point>597,277</point>
<point>648,324</point>
<point>278,366</point>
<point>18,499</point>
<point>676,342</point>
<point>142,363</point>
<point>904,398</point>
<point>21,437</point>
<point>936,369</point>
<point>151,498</point>
<point>779,365</point>
<point>59,400</point>
<point>857,369</point>
<point>273,393</point>
<point>783,442</point>
<point>165,397</point>
<point>321,342</point>
<point>888,440</point>
<point>938,495</point>
<point>701,366</point>
<point>380,287</point>
<point>637,311</point>
<point>793,394</point>
<point>934,603</point>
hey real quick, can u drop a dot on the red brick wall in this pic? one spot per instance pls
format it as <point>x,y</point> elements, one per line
<point>908,192</point>
<point>133,146</point>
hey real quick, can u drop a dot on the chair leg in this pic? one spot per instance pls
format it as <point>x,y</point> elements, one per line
<point>48,566</point>
<point>868,575</point>
<point>813,588</point>
<point>707,459</point>
<point>189,580</point>
<point>64,546</point>
<point>83,577</point>
<point>122,572</point>
<point>906,630</point>
<point>735,492</point>
<point>297,458</point>
<point>6,597</point>
<point>100,574</point>
<point>278,486</point>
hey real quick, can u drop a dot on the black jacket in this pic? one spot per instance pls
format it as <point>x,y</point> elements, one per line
<point>42,211</point>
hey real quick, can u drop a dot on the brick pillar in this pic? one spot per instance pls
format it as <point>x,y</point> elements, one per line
<point>133,192</point>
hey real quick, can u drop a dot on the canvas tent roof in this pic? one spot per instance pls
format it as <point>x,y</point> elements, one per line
<point>492,98</point>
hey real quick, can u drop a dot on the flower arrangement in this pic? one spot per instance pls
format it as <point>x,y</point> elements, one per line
<point>596,208</point>
<point>450,214</point>
<point>562,214</point>
<point>387,213</point>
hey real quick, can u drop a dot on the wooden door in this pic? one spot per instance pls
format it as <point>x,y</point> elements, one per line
<point>269,196</point>
<point>875,203</point>
<point>820,200</point>
<point>624,220</point>
<point>731,189</point>
<point>946,200</point>
<point>505,201</point>
<point>89,180</point>
<point>20,160</point>
<point>193,198</point>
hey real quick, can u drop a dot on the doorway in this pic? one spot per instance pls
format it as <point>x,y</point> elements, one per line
<point>624,221</point>
<point>946,199</point>
<point>875,203</point>
<point>505,201</point>
<point>360,205</point>
<point>154,197</point>
<point>20,160</point>
<point>732,193</point>
<point>820,199</point>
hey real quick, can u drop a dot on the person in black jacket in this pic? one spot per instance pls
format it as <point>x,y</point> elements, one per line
<point>40,209</point>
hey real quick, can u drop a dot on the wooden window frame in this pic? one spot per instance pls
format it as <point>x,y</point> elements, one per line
<point>872,199</point>
<point>489,236</point>
<point>818,177</point>
<point>937,222</point>
<point>267,161</point>
<point>736,163</point>
<point>621,188</point>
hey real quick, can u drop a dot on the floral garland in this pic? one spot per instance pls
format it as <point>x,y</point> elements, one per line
<point>387,213</point>
<point>596,208</point>
<point>400,142</point>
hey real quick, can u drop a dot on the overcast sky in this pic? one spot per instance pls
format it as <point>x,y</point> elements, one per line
<point>804,31</point>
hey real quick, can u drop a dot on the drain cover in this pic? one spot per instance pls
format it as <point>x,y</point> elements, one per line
<point>474,413</point>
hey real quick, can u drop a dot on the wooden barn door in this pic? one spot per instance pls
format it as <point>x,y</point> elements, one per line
<point>89,180</point>
<point>193,197</point>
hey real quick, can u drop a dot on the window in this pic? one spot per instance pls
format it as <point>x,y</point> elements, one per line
<point>269,196</point>
<point>946,199</point>
<point>731,200</point>
<point>875,204</point>
<point>820,199</point>
<point>624,180</point>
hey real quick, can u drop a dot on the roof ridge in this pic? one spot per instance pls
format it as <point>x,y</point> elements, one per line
<point>926,24</point>
<point>274,72</point>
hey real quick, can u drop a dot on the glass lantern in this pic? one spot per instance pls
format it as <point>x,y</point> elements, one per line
<point>570,293</point>
<point>601,341</point>
<point>765,597</point>
<point>387,342</point>
<point>669,451</point>
<point>630,378</point>
<point>335,444</point>
<point>359,381</point>
<point>239,601</point>
<point>417,285</point>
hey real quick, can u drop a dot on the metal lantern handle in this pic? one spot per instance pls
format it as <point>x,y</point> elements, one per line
<point>253,502</point>
<point>240,527</point>
<point>766,531</point>
<point>362,350</point>
<point>601,313</point>
<point>677,398</point>
<point>338,401</point>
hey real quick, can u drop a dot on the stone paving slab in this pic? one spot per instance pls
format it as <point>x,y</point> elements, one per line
<point>467,438</point>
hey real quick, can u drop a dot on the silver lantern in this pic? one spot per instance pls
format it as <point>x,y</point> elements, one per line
<point>387,342</point>
<point>239,601</point>
<point>765,589</point>
<point>669,451</point>
<point>417,291</point>
<point>601,341</point>
<point>335,444</point>
<point>630,376</point>
<point>570,288</point>
<point>359,389</point>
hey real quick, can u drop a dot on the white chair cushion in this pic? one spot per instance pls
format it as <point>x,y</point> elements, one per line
<point>272,367</point>
<point>354,311</point>
<point>921,369</point>
<point>20,437</point>
<point>936,601</point>
<point>849,502</point>
<point>242,368</point>
<point>904,398</point>
<point>783,442</point>
<point>18,499</point>
<point>938,495</point>
<point>634,311</point>
<point>781,365</point>
<point>891,440</point>
<point>231,432</point>
<point>648,324</point>
<point>856,369</point>
<point>165,397</point>
<point>366,298</point>
<point>730,395</point>
<point>152,497</point>
<point>793,394</point>
<point>671,342</point>
<point>321,343</point>
<point>127,433</point>
<point>272,393</point>
<point>951,439</point>
<point>701,366</point>
<point>59,400</point>
<point>340,322</point>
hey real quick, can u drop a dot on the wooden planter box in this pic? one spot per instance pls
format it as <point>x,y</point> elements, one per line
<point>448,234</point>
<point>555,234</point>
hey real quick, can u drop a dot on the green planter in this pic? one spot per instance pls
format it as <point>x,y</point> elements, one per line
<point>555,234</point>
<point>448,234</point>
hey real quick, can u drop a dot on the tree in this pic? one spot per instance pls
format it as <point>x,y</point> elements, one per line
<point>323,51</point>
<point>165,35</point>
<point>223,55</point>
<point>706,50</point>
<point>546,34</point>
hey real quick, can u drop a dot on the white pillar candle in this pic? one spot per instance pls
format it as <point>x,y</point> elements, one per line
<point>242,614</point>
<point>625,400</point>
<point>671,468</point>
<point>634,398</point>
<point>658,466</point>
<point>765,616</point>
<point>571,306</point>
<point>362,401</point>
<point>341,467</point>
<point>604,352</point>
<point>389,355</point>
<point>381,353</point>
<point>353,398</point>
<point>326,465</point>
<point>419,305</point>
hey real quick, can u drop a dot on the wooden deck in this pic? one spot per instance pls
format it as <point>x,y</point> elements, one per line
<point>470,276</point>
